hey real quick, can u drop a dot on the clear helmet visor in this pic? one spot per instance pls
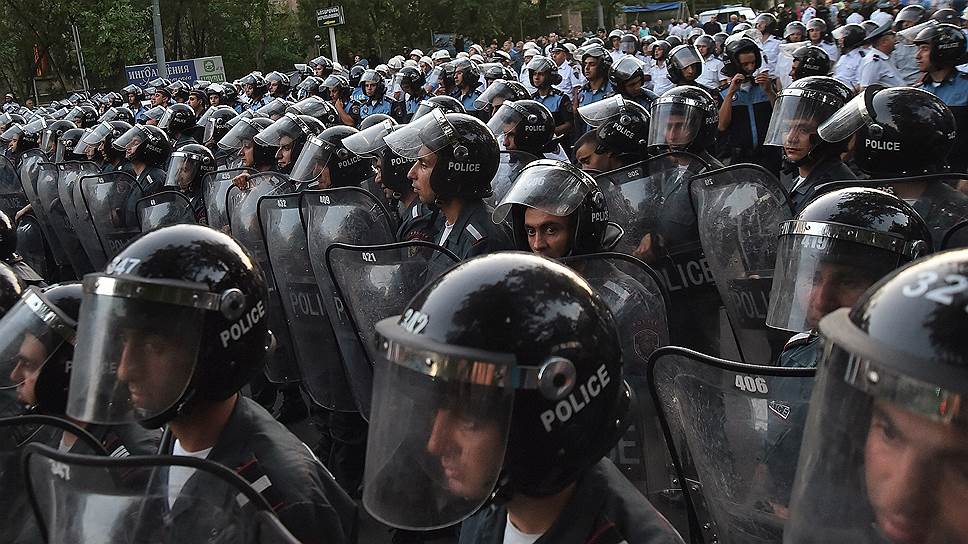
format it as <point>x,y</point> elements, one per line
<point>83,148</point>
<point>370,141</point>
<point>274,109</point>
<point>443,465</point>
<point>13,131</point>
<point>212,124</point>
<point>156,113</point>
<point>686,56</point>
<point>596,113</point>
<point>494,95</point>
<point>908,35</point>
<point>135,355</point>
<point>288,126</point>
<point>505,119</point>
<point>98,134</point>
<point>870,462</point>
<point>36,126</point>
<point>130,139</point>
<point>675,123</point>
<point>243,131</point>
<point>846,121</point>
<point>547,185</point>
<point>421,137</point>
<point>312,160</point>
<point>30,333</point>
<point>182,170</point>
<point>795,119</point>
<point>816,275</point>
<point>628,47</point>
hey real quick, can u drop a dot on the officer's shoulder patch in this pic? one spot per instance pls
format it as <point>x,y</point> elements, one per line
<point>253,473</point>
<point>796,340</point>
<point>472,230</point>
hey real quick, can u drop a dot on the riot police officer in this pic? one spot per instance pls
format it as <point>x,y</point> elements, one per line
<point>102,138</point>
<point>456,158</point>
<point>528,126</point>
<point>214,125</point>
<point>288,134</point>
<point>374,88</point>
<point>555,209</point>
<point>621,133</point>
<point>412,83</point>
<point>466,82</point>
<point>8,254</point>
<point>478,440</point>
<point>685,66</point>
<point>885,439</point>
<point>146,148</point>
<point>596,63</point>
<point>810,161</point>
<point>628,77</point>
<point>179,122</point>
<point>166,341</point>
<point>809,60</point>
<point>543,75</point>
<point>851,41</point>
<point>279,84</point>
<point>240,139</point>
<point>188,166</point>
<point>747,104</point>
<point>939,49</point>
<point>325,162</point>
<point>840,244</point>
<point>135,98</point>
<point>685,119</point>
<point>900,132</point>
<point>51,135</point>
<point>256,89</point>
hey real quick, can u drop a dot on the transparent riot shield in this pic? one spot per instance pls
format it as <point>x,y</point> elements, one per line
<point>739,210</point>
<point>957,236</point>
<point>32,246</point>
<point>53,208</point>
<point>215,185</point>
<point>371,186</point>
<point>373,282</point>
<point>16,519</point>
<point>12,197</point>
<point>638,300</point>
<point>351,216</point>
<point>243,216</point>
<point>734,431</point>
<point>163,209</point>
<point>29,174</point>
<point>512,162</point>
<point>110,200</point>
<point>92,499</point>
<point>316,349</point>
<point>69,180</point>
<point>650,201</point>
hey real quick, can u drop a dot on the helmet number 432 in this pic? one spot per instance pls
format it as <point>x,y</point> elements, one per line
<point>751,384</point>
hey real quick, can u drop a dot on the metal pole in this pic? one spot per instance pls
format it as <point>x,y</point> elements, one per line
<point>600,13</point>
<point>80,56</point>
<point>159,39</point>
<point>332,44</point>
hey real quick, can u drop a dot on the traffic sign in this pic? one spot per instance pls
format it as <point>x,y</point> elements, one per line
<point>331,16</point>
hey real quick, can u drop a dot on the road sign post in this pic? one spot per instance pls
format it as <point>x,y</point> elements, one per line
<point>329,18</point>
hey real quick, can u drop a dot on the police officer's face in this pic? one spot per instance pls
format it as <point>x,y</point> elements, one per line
<point>677,133</point>
<point>538,78</point>
<point>795,37</point>
<point>923,57</point>
<point>797,142</point>
<point>148,362</point>
<point>284,154</point>
<point>548,235</point>
<point>747,63</point>
<point>247,152</point>
<point>30,359</point>
<point>691,72</point>
<point>214,100</point>
<point>815,35</point>
<point>632,87</point>
<point>132,99</point>
<point>591,68</point>
<point>249,90</point>
<point>595,162</point>
<point>132,147</point>
<point>916,471</point>
<point>158,99</point>
<point>703,50</point>
<point>419,176</point>
<point>273,86</point>
<point>464,444</point>
<point>370,88</point>
<point>833,286</point>
<point>194,102</point>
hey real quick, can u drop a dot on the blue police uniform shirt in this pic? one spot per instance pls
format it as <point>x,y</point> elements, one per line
<point>953,90</point>
<point>413,102</point>
<point>467,100</point>
<point>589,96</point>
<point>358,94</point>
<point>380,106</point>
<point>749,97</point>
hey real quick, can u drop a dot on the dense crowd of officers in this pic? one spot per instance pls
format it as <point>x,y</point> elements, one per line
<point>499,390</point>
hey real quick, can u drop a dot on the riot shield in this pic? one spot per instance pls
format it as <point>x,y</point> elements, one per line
<point>956,237</point>
<point>110,200</point>
<point>32,246</point>
<point>639,302</point>
<point>649,200</point>
<point>29,173</point>
<point>314,342</point>
<point>739,210</point>
<point>56,212</point>
<point>512,162</point>
<point>69,184</point>
<point>351,216</point>
<point>215,185</point>
<point>12,197</point>
<point>163,209</point>
<point>734,431</point>
<point>243,216</point>
<point>16,520</point>
<point>82,498</point>
<point>371,186</point>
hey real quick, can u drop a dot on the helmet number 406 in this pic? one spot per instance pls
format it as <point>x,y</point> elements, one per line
<point>751,384</point>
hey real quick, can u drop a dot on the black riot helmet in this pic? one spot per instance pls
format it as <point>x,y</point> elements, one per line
<point>200,300</point>
<point>504,346</point>
<point>500,91</point>
<point>526,125</point>
<point>309,86</point>
<point>901,131</point>
<point>66,145</point>
<point>215,123</point>
<point>375,119</point>
<point>274,108</point>
<point>356,72</point>
<point>317,108</point>
<point>334,87</point>
<point>626,69</point>
<point>189,164</point>
<point>144,143</point>
<point>106,133</point>
<point>135,90</point>
<point>321,64</point>
<point>621,124</point>
<point>37,344</point>
<point>556,188</point>
<point>492,71</point>
<point>259,84</point>
<point>412,80</point>
<point>684,118</point>
<point>664,46</point>
<point>737,45</point>
<point>799,110</point>
<point>947,43</point>
<point>912,14</point>
<point>542,64</point>
<point>467,152</point>
<point>851,36</point>
<point>765,22</point>
<point>370,143</point>
<point>673,41</point>
<point>447,104</point>
<point>838,246</point>
<point>283,84</point>
<point>468,71</point>
<point>325,161</point>
<point>243,134</point>
<point>719,39</point>
<point>596,51</point>
<point>947,16</point>
<point>52,134</point>
<point>179,90</point>
<point>887,431</point>
<point>117,113</point>
<point>178,119</point>
<point>793,29</point>
<point>680,58</point>
<point>84,116</point>
<point>372,76</point>
<point>810,60</point>
<point>629,44</point>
